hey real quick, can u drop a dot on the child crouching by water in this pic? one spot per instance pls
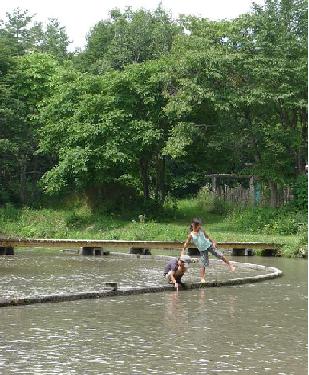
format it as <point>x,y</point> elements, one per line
<point>174,270</point>
<point>204,245</point>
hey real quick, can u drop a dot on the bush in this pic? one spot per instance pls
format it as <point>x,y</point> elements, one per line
<point>78,218</point>
<point>187,209</point>
<point>206,199</point>
<point>300,190</point>
<point>303,241</point>
<point>267,220</point>
<point>9,213</point>
<point>209,202</point>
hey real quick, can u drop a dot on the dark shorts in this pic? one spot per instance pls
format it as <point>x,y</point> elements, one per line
<point>204,260</point>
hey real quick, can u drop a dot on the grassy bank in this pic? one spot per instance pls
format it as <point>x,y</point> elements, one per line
<point>80,222</point>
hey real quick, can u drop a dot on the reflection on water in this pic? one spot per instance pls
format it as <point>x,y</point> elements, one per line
<point>250,329</point>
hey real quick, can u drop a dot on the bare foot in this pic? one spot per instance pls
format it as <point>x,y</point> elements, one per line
<point>232,267</point>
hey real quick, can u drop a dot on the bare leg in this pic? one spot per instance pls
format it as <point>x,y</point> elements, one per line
<point>202,274</point>
<point>232,268</point>
<point>219,255</point>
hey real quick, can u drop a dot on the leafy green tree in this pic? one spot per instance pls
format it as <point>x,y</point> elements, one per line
<point>23,34</point>
<point>272,92</point>
<point>128,37</point>
<point>8,116</point>
<point>166,108</point>
<point>18,30</point>
<point>24,86</point>
<point>97,128</point>
<point>257,89</point>
<point>53,39</point>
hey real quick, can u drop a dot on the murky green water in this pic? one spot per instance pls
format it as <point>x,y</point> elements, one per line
<point>250,329</point>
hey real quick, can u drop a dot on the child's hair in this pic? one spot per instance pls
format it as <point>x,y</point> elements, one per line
<point>195,222</point>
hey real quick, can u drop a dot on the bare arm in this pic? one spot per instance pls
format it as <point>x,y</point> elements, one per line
<point>185,245</point>
<point>174,280</point>
<point>173,277</point>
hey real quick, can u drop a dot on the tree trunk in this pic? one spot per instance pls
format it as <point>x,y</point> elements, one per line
<point>302,149</point>
<point>251,191</point>
<point>93,196</point>
<point>160,185</point>
<point>23,180</point>
<point>273,194</point>
<point>144,167</point>
<point>214,184</point>
<point>162,179</point>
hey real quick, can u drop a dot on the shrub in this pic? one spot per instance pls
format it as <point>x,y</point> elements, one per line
<point>9,213</point>
<point>209,202</point>
<point>300,190</point>
<point>303,240</point>
<point>267,220</point>
<point>206,199</point>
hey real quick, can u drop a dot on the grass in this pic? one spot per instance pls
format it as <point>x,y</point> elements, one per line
<point>81,223</point>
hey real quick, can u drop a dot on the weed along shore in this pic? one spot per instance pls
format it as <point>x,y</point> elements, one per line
<point>82,223</point>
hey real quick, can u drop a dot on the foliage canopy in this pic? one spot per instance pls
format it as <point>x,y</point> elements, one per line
<point>152,104</point>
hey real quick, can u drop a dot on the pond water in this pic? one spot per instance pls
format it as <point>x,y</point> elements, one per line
<point>250,329</point>
<point>30,274</point>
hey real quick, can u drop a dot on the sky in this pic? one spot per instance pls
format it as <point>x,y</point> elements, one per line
<point>79,17</point>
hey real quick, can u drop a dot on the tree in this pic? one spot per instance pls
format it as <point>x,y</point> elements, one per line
<point>24,86</point>
<point>272,90</point>
<point>260,104</point>
<point>53,40</point>
<point>96,127</point>
<point>149,108</point>
<point>128,37</point>
<point>18,31</point>
<point>24,35</point>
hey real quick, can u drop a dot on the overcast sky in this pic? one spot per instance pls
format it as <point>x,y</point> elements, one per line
<point>79,16</point>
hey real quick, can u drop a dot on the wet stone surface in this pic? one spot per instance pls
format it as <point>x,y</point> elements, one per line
<point>28,274</point>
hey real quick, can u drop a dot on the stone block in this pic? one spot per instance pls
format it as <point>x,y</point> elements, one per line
<point>269,252</point>
<point>238,252</point>
<point>112,285</point>
<point>97,250</point>
<point>8,250</point>
<point>86,250</point>
<point>139,251</point>
<point>249,252</point>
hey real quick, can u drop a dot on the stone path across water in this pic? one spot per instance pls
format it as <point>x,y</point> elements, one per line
<point>28,278</point>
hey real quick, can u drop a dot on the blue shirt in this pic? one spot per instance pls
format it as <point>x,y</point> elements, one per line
<point>200,241</point>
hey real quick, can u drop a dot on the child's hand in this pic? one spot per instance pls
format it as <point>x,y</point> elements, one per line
<point>176,286</point>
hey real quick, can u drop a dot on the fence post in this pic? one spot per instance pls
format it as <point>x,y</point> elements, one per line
<point>251,191</point>
<point>214,184</point>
